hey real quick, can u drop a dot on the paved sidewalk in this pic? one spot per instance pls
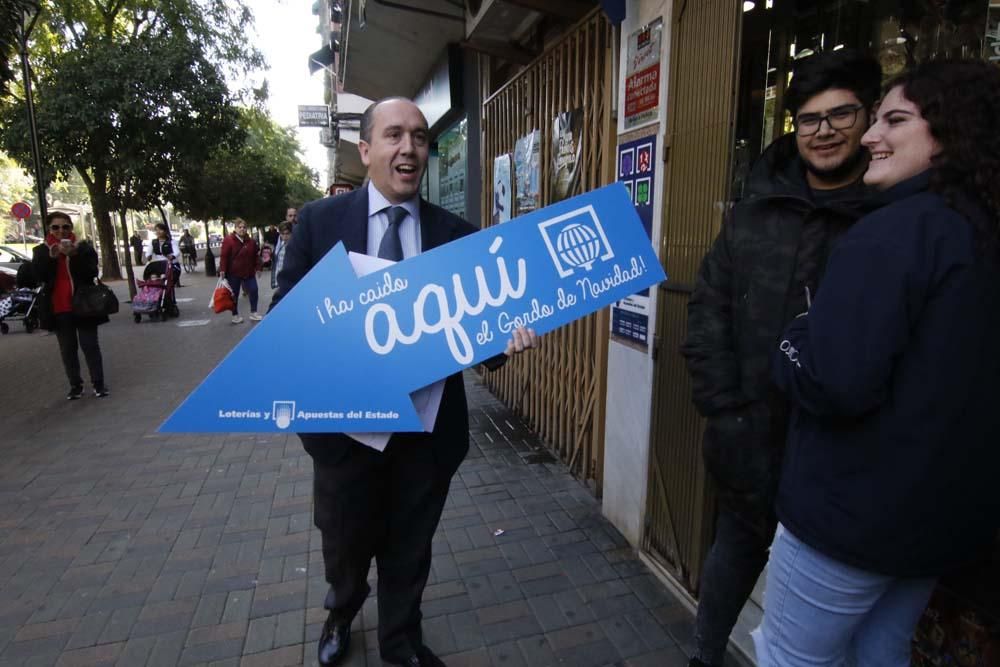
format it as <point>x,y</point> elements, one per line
<point>121,546</point>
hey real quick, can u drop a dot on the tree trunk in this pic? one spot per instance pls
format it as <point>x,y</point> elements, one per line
<point>110,266</point>
<point>128,256</point>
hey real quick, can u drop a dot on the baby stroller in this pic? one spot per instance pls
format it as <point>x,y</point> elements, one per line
<point>155,297</point>
<point>21,304</point>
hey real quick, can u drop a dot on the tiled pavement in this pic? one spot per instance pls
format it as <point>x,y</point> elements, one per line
<point>120,546</point>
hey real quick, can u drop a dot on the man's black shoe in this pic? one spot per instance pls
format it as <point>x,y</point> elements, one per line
<point>334,642</point>
<point>428,659</point>
<point>74,393</point>
<point>424,659</point>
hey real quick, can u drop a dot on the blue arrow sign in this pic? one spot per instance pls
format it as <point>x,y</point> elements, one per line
<point>351,349</point>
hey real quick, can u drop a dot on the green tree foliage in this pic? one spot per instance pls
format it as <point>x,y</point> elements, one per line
<point>11,15</point>
<point>123,116</point>
<point>126,90</point>
<point>256,180</point>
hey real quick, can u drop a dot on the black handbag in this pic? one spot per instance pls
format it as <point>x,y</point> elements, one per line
<point>95,300</point>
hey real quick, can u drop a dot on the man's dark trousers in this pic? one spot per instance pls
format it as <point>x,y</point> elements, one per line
<point>384,505</point>
<point>370,504</point>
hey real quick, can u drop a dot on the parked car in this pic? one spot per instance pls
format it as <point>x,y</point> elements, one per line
<point>12,258</point>
<point>15,237</point>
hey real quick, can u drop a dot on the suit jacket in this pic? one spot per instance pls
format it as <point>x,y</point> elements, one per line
<point>321,225</point>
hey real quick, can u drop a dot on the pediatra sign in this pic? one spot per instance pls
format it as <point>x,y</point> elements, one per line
<point>314,115</point>
<point>351,349</point>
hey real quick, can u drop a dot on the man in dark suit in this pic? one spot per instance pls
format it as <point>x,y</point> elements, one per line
<point>383,504</point>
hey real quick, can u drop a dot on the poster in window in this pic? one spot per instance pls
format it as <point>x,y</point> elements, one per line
<point>566,154</point>
<point>637,172</point>
<point>528,172</point>
<point>642,75</point>
<point>502,188</point>
<point>992,44</point>
<point>452,146</point>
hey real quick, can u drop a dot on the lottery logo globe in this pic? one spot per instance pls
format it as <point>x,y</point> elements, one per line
<point>578,246</point>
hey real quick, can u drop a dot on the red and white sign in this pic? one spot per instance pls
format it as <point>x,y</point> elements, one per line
<point>642,92</point>
<point>339,189</point>
<point>21,210</point>
<point>642,75</point>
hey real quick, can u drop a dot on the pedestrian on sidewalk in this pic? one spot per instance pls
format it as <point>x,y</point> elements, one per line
<point>804,192</point>
<point>890,478</point>
<point>284,236</point>
<point>370,504</point>
<point>239,264</point>
<point>136,241</point>
<point>62,263</point>
<point>163,256</point>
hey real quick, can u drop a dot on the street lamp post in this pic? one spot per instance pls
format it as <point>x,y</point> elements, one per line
<point>27,25</point>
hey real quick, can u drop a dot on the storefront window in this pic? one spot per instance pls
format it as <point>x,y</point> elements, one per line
<point>900,33</point>
<point>452,148</point>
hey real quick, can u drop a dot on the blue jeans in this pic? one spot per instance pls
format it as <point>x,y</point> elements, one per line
<point>819,611</point>
<point>250,285</point>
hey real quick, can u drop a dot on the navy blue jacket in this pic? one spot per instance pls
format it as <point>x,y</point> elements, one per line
<point>892,455</point>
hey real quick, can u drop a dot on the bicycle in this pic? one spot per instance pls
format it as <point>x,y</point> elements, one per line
<point>190,260</point>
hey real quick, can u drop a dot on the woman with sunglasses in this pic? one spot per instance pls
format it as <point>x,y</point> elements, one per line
<point>889,475</point>
<point>62,263</point>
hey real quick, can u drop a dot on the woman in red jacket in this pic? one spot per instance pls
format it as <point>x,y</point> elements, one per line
<point>61,263</point>
<point>239,263</point>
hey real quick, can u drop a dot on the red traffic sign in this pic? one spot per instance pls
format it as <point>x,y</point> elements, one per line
<point>21,210</point>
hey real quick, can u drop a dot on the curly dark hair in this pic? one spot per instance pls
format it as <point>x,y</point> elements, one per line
<point>960,100</point>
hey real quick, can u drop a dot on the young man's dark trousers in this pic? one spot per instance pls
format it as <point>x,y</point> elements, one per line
<point>387,506</point>
<point>744,530</point>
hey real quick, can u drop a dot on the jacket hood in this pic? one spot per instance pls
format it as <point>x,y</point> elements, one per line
<point>779,171</point>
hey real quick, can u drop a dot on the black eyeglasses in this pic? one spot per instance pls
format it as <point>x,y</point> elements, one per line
<point>65,227</point>
<point>841,118</point>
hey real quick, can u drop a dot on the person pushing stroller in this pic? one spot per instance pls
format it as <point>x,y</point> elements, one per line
<point>162,256</point>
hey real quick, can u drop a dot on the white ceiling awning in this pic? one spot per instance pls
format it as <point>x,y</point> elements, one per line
<point>395,50</point>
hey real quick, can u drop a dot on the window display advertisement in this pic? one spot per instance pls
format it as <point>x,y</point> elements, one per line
<point>992,45</point>
<point>502,189</point>
<point>452,149</point>
<point>566,152</point>
<point>637,172</point>
<point>528,172</point>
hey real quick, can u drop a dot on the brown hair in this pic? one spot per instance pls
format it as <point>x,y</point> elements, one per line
<point>960,100</point>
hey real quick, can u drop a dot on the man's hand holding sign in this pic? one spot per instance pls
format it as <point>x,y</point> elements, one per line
<point>354,348</point>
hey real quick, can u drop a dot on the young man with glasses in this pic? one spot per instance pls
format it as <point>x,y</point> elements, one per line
<point>767,262</point>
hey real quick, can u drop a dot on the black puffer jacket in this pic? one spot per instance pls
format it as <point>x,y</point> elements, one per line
<point>82,269</point>
<point>751,284</point>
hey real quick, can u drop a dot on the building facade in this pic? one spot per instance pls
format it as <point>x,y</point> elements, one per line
<point>531,102</point>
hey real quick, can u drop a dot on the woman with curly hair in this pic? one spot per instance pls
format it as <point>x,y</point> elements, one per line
<point>889,476</point>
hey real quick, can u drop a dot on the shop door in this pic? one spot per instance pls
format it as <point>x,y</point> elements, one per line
<point>700,115</point>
